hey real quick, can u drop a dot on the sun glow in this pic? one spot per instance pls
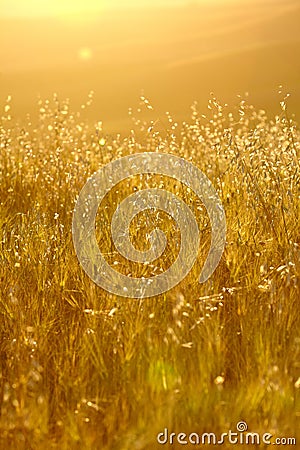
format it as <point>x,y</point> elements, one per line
<point>73,8</point>
<point>50,8</point>
<point>85,54</point>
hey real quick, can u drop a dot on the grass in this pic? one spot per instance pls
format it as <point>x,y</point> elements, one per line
<point>83,369</point>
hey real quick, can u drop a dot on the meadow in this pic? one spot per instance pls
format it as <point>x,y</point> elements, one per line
<point>84,369</point>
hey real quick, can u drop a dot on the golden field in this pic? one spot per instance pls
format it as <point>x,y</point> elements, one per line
<point>81,368</point>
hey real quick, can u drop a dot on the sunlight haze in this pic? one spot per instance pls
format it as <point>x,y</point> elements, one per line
<point>174,51</point>
<point>46,8</point>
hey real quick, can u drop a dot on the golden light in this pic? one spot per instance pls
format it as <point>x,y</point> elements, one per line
<point>85,54</point>
<point>46,8</point>
<point>72,9</point>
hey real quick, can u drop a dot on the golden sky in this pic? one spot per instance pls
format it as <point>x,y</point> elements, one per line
<point>29,8</point>
<point>173,56</point>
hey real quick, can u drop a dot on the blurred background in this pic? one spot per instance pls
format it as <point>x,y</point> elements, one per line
<point>173,52</point>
